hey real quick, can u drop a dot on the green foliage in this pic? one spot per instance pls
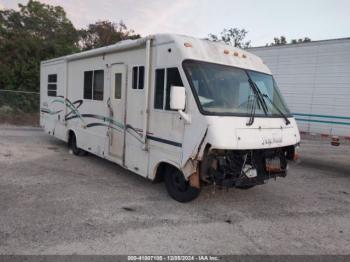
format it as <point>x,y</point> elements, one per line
<point>279,41</point>
<point>283,41</point>
<point>38,32</point>
<point>33,33</point>
<point>300,40</point>
<point>103,33</point>
<point>232,36</point>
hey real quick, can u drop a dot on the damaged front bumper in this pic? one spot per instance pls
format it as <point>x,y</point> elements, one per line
<point>245,168</point>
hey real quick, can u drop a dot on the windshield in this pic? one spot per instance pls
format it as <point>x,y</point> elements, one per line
<point>222,89</point>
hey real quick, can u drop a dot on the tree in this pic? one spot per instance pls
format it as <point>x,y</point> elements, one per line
<point>34,33</point>
<point>283,41</point>
<point>232,36</point>
<point>38,32</point>
<point>278,41</point>
<point>103,33</point>
<point>300,40</point>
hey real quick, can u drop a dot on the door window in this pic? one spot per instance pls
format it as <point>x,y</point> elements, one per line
<point>172,79</point>
<point>159,89</point>
<point>165,78</point>
<point>118,86</point>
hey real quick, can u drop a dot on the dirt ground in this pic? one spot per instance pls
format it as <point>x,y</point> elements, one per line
<point>52,202</point>
<point>20,119</point>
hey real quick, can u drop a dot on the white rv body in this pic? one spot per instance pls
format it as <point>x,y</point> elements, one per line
<point>314,78</point>
<point>129,130</point>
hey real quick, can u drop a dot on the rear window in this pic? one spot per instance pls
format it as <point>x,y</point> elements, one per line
<point>52,85</point>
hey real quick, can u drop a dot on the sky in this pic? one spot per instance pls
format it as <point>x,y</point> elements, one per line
<point>264,19</point>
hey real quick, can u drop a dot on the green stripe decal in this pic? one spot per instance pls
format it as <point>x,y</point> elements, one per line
<point>48,111</point>
<point>322,116</point>
<point>323,122</point>
<point>58,101</point>
<point>74,113</point>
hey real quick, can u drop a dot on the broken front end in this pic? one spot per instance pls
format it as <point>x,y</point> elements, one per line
<point>245,168</point>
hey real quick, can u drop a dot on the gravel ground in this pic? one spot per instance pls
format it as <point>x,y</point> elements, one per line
<point>52,202</point>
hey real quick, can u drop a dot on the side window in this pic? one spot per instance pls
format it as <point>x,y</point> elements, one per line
<point>94,84</point>
<point>141,77</point>
<point>159,89</point>
<point>172,79</point>
<point>163,86</point>
<point>135,71</point>
<point>138,76</point>
<point>88,84</point>
<point>52,85</point>
<point>118,86</point>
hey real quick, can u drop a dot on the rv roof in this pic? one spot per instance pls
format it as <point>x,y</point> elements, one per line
<point>190,48</point>
<point>120,46</point>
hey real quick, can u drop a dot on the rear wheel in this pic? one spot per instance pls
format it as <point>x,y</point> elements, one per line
<point>178,187</point>
<point>74,147</point>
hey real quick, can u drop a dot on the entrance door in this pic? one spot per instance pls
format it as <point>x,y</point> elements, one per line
<point>117,111</point>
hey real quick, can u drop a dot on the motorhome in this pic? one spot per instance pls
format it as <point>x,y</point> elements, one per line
<point>172,108</point>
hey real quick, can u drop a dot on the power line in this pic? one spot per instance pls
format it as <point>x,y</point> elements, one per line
<point>19,91</point>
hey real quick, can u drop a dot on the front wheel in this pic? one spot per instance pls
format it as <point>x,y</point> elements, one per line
<point>178,187</point>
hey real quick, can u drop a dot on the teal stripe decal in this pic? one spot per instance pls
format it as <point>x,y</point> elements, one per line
<point>58,101</point>
<point>48,111</point>
<point>323,122</point>
<point>322,116</point>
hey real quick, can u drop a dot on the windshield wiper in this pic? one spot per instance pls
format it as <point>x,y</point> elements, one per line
<point>252,112</point>
<point>259,94</point>
<point>263,104</point>
<point>257,99</point>
<point>276,107</point>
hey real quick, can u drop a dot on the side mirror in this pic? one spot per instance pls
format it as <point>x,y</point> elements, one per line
<point>178,101</point>
<point>177,98</point>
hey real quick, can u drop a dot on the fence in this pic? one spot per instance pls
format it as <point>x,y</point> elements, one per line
<point>19,107</point>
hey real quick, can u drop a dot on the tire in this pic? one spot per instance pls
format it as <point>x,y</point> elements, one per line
<point>178,187</point>
<point>74,147</point>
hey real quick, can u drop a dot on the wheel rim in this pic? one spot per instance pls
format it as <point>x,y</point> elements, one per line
<point>179,182</point>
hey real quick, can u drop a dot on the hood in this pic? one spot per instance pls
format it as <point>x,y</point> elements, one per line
<point>233,133</point>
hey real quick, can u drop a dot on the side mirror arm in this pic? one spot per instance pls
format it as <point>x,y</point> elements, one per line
<point>185,116</point>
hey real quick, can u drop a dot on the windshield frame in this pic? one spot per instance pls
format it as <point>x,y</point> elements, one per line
<point>208,113</point>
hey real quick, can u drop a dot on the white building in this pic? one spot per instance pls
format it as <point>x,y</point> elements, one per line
<point>314,78</point>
